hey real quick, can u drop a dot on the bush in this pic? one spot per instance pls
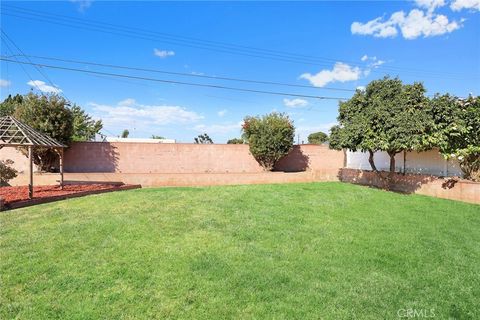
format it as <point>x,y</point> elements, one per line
<point>6,172</point>
<point>270,137</point>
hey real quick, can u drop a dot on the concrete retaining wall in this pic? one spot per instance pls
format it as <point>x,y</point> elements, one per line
<point>453,189</point>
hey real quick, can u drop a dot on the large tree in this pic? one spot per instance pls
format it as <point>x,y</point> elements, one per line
<point>354,131</point>
<point>269,137</point>
<point>456,131</point>
<point>49,114</point>
<point>388,116</point>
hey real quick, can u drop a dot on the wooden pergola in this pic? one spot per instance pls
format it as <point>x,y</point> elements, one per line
<point>14,133</point>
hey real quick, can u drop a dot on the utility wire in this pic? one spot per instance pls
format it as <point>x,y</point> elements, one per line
<point>16,60</point>
<point>175,82</point>
<point>36,67</point>
<point>189,74</point>
<point>198,43</point>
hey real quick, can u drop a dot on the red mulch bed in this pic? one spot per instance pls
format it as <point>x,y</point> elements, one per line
<point>18,194</point>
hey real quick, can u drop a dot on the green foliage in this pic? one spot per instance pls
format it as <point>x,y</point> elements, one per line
<point>236,141</point>
<point>317,138</point>
<point>203,139</point>
<point>270,137</point>
<point>6,172</point>
<point>388,116</point>
<point>84,127</point>
<point>7,107</point>
<point>125,133</point>
<point>157,137</point>
<point>49,114</point>
<point>456,131</point>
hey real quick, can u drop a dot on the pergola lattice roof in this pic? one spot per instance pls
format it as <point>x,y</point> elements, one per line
<point>16,133</point>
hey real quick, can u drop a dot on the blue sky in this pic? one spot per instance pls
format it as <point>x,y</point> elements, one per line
<point>341,45</point>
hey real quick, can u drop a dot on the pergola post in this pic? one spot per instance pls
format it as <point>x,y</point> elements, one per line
<point>30,185</point>
<point>60,153</point>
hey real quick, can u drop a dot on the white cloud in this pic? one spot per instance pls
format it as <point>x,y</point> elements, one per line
<point>430,5</point>
<point>42,86</point>
<point>412,25</point>
<point>458,5</point>
<point>163,53</point>
<point>82,5</point>
<point>5,83</point>
<point>295,103</point>
<point>218,128</point>
<point>364,58</point>
<point>361,88</point>
<point>221,113</point>
<point>128,112</point>
<point>341,72</point>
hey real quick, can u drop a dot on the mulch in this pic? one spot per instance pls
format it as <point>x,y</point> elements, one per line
<point>15,197</point>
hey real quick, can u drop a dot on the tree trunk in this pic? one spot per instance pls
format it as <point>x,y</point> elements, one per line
<point>371,160</point>
<point>392,162</point>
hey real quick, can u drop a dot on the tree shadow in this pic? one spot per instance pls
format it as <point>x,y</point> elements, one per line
<point>295,161</point>
<point>398,182</point>
<point>104,158</point>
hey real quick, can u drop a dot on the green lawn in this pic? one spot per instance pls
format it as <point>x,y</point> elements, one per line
<point>319,250</point>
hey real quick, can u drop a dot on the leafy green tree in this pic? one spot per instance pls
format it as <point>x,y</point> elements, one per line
<point>270,137</point>
<point>203,139</point>
<point>49,114</point>
<point>125,133</point>
<point>84,127</point>
<point>456,131</point>
<point>7,107</point>
<point>354,131</point>
<point>317,138</point>
<point>236,141</point>
<point>388,116</point>
<point>157,137</point>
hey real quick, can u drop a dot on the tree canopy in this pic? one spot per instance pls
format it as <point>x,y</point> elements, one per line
<point>317,138</point>
<point>236,141</point>
<point>203,139</point>
<point>388,116</point>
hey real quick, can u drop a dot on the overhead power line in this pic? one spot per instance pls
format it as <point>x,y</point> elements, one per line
<point>217,46</point>
<point>174,82</point>
<point>188,74</point>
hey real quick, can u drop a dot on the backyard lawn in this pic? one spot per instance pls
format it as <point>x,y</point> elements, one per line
<point>319,250</point>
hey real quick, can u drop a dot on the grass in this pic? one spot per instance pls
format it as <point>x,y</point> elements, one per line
<point>319,250</point>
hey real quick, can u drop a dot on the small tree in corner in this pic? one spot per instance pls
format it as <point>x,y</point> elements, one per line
<point>270,137</point>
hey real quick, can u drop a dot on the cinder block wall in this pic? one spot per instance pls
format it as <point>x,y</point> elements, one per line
<point>82,157</point>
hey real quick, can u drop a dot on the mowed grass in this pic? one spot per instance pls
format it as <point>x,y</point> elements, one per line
<point>303,251</point>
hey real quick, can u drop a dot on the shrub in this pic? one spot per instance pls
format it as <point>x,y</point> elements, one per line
<point>270,137</point>
<point>6,172</point>
<point>203,139</point>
